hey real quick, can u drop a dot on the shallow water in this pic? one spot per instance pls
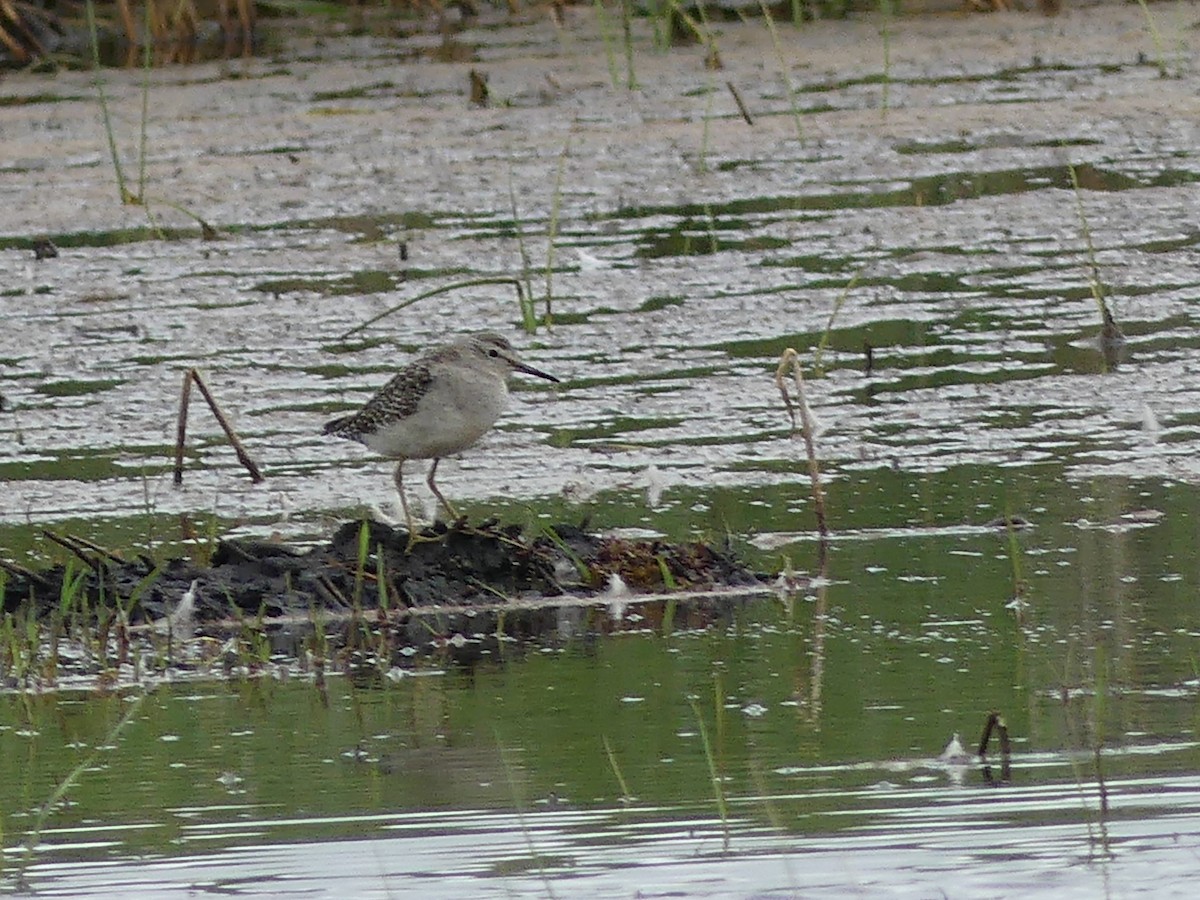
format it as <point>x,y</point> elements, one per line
<point>578,762</point>
<point>581,765</point>
<point>689,250</point>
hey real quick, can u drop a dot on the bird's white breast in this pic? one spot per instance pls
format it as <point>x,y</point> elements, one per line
<point>456,410</point>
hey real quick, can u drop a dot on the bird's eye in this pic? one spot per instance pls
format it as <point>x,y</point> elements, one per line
<point>493,353</point>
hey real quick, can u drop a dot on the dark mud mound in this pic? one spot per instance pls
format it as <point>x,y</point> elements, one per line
<point>369,564</point>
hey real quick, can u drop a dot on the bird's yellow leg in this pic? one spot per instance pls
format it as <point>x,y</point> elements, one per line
<point>433,487</point>
<point>414,537</point>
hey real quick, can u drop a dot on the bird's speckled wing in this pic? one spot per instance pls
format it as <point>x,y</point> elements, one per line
<point>398,399</point>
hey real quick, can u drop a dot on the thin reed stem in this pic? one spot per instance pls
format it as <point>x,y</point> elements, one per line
<point>717,784</point>
<point>791,361</point>
<point>818,368</point>
<point>552,231</point>
<point>1093,267</point>
<point>626,796</point>
<point>885,9</point>
<point>1156,37</point>
<point>783,68</point>
<point>146,60</point>
<point>606,36</point>
<point>631,82</point>
<point>85,765</point>
<point>529,845</point>
<point>528,317</point>
<point>522,297</point>
<point>122,192</point>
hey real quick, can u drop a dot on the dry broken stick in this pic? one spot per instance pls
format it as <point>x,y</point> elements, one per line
<point>20,571</point>
<point>737,98</point>
<point>790,360</point>
<point>82,548</point>
<point>995,723</point>
<point>190,377</point>
<point>96,548</point>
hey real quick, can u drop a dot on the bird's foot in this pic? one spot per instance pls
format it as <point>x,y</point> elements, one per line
<point>491,527</point>
<point>459,523</point>
<point>427,536</point>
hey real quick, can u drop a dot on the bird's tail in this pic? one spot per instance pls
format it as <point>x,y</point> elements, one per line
<point>338,425</point>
